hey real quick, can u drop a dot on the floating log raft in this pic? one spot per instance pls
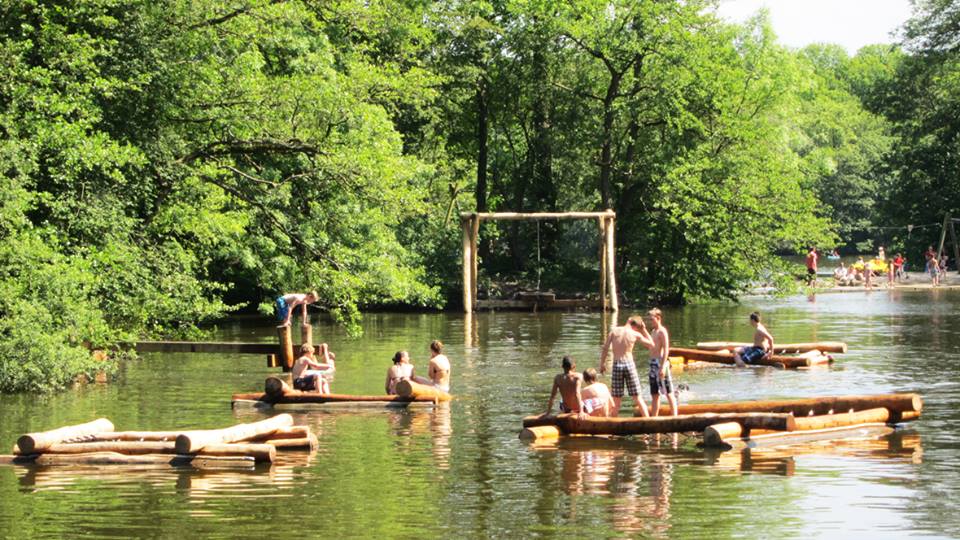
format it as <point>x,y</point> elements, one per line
<point>778,348</point>
<point>278,392</point>
<point>722,357</point>
<point>35,442</point>
<point>902,407</point>
<point>572,424</point>
<point>415,390</point>
<point>189,443</point>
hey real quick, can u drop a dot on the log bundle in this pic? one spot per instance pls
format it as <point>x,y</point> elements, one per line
<point>278,392</point>
<point>808,359</point>
<point>95,443</point>
<point>739,424</point>
<point>778,348</point>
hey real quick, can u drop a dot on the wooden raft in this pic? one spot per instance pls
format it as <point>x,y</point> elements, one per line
<point>95,443</point>
<point>808,359</point>
<point>278,392</point>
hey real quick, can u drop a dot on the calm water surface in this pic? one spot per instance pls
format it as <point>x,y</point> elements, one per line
<point>460,470</point>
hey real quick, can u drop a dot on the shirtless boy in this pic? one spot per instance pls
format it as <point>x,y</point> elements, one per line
<point>306,374</point>
<point>762,344</point>
<point>661,381</point>
<point>439,369</point>
<point>596,395</point>
<point>288,302</point>
<point>624,375</point>
<point>568,384</point>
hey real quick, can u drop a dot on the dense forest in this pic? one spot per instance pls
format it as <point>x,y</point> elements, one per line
<point>167,162</point>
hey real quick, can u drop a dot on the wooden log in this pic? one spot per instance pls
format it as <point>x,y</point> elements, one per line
<point>715,436</point>
<point>540,433</point>
<point>294,432</point>
<point>414,390</point>
<point>516,216</point>
<point>128,436</point>
<point>602,241</point>
<point>272,361</point>
<point>275,387</point>
<point>309,444</point>
<point>35,442</point>
<point>113,458</point>
<point>474,258</point>
<point>193,442</point>
<point>611,265</point>
<point>293,397</point>
<point>119,447</point>
<point>779,348</point>
<point>467,264</point>
<point>261,453</point>
<point>780,438</point>
<point>879,415</point>
<point>906,416</point>
<point>895,403</point>
<point>719,357</point>
<point>306,334</point>
<point>570,423</point>
<point>286,346</point>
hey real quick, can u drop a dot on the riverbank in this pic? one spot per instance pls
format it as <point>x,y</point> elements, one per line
<point>916,281</point>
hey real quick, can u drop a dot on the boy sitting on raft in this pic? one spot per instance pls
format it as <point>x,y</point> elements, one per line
<point>568,384</point>
<point>439,369</point>
<point>288,302</point>
<point>596,396</point>
<point>762,344</point>
<point>308,373</point>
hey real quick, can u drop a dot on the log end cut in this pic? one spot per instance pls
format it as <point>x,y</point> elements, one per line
<point>540,433</point>
<point>715,436</point>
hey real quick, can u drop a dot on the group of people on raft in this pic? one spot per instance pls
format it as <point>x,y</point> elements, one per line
<point>312,369</point>
<point>585,395</point>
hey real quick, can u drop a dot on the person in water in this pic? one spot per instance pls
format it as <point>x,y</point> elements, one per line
<point>308,372</point>
<point>660,378</point>
<point>812,265</point>
<point>401,370</point>
<point>439,369</point>
<point>288,302</point>
<point>568,384</point>
<point>624,376</point>
<point>762,344</point>
<point>596,396</point>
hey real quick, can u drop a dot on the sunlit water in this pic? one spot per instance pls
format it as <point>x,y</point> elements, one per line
<point>461,471</point>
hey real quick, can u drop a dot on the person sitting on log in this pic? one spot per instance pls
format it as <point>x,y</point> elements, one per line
<point>307,374</point>
<point>762,344</point>
<point>661,381</point>
<point>439,369</point>
<point>288,302</point>
<point>401,370</point>
<point>568,384</point>
<point>624,376</point>
<point>596,395</point>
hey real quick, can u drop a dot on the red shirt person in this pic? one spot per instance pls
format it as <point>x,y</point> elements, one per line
<point>812,265</point>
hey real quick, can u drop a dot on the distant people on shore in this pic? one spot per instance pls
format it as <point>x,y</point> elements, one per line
<point>933,267</point>
<point>623,377</point>
<point>928,256</point>
<point>401,370</point>
<point>899,267</point>
<point>811,265</point>
<point>287,303</point>
<point>944,259</point>
<point>568,384</point>
<point>439,368</point>
<point>762,344</point>
<point>597,400</point>
<point>308,373</point>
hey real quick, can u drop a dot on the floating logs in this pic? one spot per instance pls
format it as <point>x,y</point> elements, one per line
<point>35,442</point>
<point>715,435</point>
<point>189,443</point>
<point>572,424</point>
<point>540,433</point>
<point>879,415</point>
<point>724,357</point>
<point>899,405</point>
<point>411,389</point>
<point>309,443</point>
<point>278,392</point>
<point>778,348</point>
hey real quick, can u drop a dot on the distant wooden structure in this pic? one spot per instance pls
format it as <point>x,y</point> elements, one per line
<point>948,225</point>
<point>470,223</point>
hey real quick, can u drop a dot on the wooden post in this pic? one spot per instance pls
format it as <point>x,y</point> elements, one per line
<point>603,262</point>
<point>286,347</point>
<point>272,361</point>
<point>611,278</point>
<point>306,334</point>
<point>956,246</point>
<point>474,236</point>
<point>467,265</point>
<point>943,235</point>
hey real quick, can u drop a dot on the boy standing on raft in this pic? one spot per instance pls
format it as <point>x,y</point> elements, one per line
<point>661,381</point>
<point>568,384</point>
<point>439,369</point>
<point>762,344</point>
<point>624,374</point>
<point>288,302</point>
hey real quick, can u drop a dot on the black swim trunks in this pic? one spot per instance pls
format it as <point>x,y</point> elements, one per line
<point>308,383</point>
<point>751,355</point>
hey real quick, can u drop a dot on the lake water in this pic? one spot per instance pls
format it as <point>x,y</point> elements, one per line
<point>460,471</point>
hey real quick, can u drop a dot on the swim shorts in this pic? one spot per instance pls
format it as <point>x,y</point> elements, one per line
<point>624,377</point>
<point>658,385</point>
<point>752,355</point>
<point>282,309</point>
<point>308,383</point>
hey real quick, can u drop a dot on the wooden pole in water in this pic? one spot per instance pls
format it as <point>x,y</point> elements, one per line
<point>943,234</point>
<point>611,264</point>
<point>194,442</point>
<point>35,442</point>
<point>603,262</point>
<point>467,265</point>
<point>474,255</point>
<point>956,246</point>
<point>306,334</point>
<point>286,347</point>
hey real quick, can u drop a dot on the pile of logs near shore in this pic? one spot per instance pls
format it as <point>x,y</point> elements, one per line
<point>785,356</point>
<point>743,423</point>
<point>97,443</point>
<point>277,392</point>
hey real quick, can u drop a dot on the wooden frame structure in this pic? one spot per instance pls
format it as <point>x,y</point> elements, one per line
<point>948,225</point>
<point>470,223</point>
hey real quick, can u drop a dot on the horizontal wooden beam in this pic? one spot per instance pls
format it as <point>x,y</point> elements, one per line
<point>515,216</point>
<point>214,347</point>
